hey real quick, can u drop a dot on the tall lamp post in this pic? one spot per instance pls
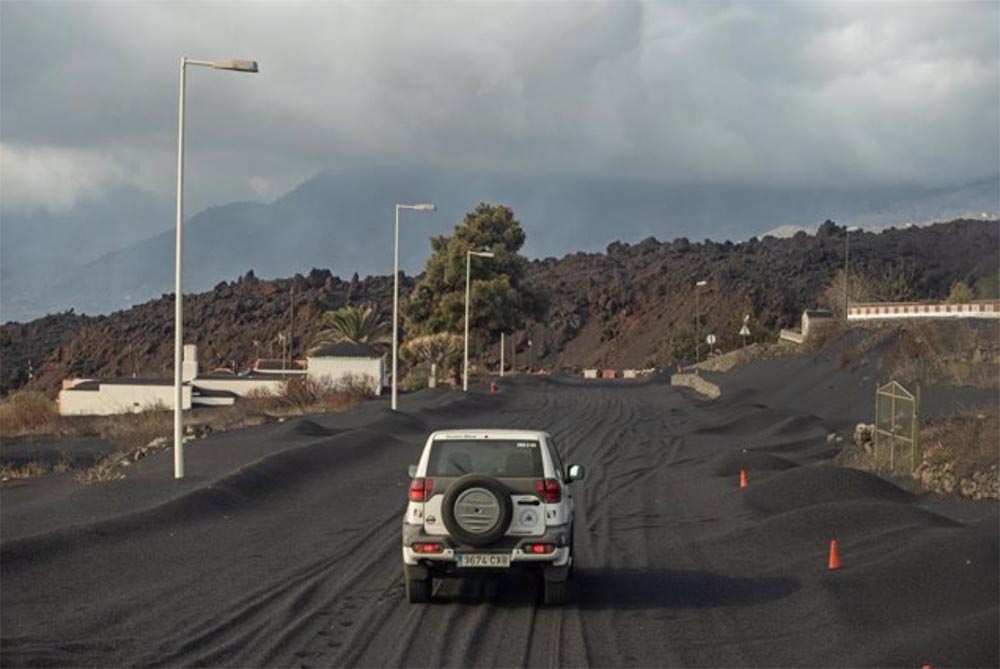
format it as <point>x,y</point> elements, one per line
<point>395,293</point>
<point>697,322</point>
<point>847,257</point>
<point>236,66</point>
<point>468,283</point>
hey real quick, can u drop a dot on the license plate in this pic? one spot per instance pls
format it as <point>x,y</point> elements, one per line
<point>488,560</point>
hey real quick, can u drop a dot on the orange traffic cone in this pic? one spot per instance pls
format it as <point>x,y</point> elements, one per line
<point>834,562</point>
<point>743,478</point>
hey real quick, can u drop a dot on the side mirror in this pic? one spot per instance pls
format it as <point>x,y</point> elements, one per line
<point>412,471</point>
<point>576,473</point>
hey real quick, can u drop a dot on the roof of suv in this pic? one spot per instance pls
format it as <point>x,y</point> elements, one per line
<point>488,434</point>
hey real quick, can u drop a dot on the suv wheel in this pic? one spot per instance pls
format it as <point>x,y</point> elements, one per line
<point>477,510</point>
<point>418,590</point>
<point>555,593</point>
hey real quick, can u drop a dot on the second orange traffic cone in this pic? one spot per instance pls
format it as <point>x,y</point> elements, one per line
<point>834,562</point>
<point>743,478</point>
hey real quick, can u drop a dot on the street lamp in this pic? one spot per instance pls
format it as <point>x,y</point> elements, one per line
<point>847,256</point>
<point>395,293</point>
<point>468,275</point>
<point>697,322</point>
<point>236,66</point>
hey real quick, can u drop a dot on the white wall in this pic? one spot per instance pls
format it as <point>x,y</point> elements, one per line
<point>189,364</point>
<point>889,311</point>
<point>116,398</point>
<point>332,370</point>
<point>241,385</point>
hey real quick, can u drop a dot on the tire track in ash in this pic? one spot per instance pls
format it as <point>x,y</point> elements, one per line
<point>489,622</point>
<point>268,620</point>
<point>363,644</point>
<point>498,622</point>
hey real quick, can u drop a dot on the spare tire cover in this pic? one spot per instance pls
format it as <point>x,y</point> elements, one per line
<point>477,510</point>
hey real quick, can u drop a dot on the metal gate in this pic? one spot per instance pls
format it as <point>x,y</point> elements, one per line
<point>897,428</point>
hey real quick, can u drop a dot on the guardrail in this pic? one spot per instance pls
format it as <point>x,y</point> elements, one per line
<point>869,311</point>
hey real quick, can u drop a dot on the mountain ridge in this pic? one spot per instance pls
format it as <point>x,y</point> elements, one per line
<point>606,308</point>
<point>342,219</point>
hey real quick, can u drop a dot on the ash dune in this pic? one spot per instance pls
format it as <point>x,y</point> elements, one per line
<point>282,546</point>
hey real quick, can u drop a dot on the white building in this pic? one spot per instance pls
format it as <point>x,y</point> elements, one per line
<point>104,397</point>
<point>333,363</point>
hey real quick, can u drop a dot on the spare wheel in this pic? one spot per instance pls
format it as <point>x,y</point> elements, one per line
<point>477,510</point>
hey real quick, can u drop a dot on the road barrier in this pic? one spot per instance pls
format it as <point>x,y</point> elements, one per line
<point>873,311</point>
<point>608,374</point>
<point>590,373</point>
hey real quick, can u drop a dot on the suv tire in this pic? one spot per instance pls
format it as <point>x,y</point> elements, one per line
<point>504,510</point>
<point>418,590</point>
<point>555,593</point>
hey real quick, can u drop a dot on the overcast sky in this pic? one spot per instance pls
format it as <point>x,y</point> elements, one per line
<point>799,93</point>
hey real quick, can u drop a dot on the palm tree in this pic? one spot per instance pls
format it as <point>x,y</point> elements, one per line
<point>358,325</point>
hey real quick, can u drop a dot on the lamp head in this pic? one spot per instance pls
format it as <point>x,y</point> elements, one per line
<point>236,65</point>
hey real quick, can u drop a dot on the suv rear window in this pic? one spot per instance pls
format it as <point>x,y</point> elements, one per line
<point>456,457</point>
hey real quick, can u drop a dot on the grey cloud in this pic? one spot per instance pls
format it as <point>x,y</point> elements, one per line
<point>818,94</point>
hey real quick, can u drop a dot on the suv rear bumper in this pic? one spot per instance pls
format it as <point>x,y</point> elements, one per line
<point>445,560</point>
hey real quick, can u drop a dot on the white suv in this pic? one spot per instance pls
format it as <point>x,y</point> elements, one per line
<point>489,500</point>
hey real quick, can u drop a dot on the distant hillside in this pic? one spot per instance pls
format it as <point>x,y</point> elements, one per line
<point>611,308</point>
<point>342,219</point>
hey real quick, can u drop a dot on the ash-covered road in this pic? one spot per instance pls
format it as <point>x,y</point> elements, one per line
<point>294,559</point>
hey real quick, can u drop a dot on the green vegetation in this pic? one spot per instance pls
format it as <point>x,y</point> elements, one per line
<point>893,283</point>
<point>960,293</point>
<point>434,356</point>
<point>678,345</point>
<point>500,300</point>
<point>987,287</point>
<point>358,325</point>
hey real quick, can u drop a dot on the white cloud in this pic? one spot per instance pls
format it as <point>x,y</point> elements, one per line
<point>822,94</point>
<point>52,178</point>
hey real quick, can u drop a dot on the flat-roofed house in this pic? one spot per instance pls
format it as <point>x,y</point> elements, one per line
<point>333,363</point>
<point>105,397</point>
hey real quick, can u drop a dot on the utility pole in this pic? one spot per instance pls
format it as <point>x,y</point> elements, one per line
<point>501,354</point>
<point>697,322</point>
<point>291,322</point>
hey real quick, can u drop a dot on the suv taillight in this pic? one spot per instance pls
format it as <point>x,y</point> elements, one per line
<point>549,490</point>
<point>420,489</point>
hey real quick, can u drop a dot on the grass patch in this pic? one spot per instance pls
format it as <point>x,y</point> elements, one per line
<point>308,396</point>
<point>28,412</point>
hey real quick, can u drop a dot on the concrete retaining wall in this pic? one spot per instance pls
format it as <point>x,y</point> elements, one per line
<point>696,383</point>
